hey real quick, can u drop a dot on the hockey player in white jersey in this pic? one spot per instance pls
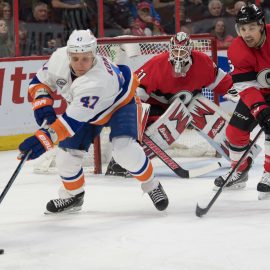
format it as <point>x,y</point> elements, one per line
<point>98,93</point>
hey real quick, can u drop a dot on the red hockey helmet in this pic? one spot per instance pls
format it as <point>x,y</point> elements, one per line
<point>180,53</point>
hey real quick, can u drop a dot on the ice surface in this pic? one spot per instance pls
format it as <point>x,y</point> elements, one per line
<point>119,229</point>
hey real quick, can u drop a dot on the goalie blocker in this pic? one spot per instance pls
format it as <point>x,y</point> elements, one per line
<point>209,120</point>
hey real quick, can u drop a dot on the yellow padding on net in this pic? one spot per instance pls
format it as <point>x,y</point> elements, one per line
<point>12,142</point>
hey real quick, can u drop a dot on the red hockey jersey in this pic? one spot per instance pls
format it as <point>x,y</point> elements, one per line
<point>250,69</point>
<point>156,77</point>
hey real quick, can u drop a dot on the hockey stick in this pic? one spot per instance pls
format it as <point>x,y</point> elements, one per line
<point>202,211</point>
<point>13,177</point>
<point>173,165</point>
<point>19,167</point>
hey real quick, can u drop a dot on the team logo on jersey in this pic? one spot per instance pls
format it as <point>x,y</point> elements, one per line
<point>61,82</point>
<point>263,78</point>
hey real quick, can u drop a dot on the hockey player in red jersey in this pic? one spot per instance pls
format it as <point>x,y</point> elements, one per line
<point>249,57</point>
<point>181,72</point>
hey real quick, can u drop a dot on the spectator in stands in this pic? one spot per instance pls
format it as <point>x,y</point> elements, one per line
<point>117,18</point>
<point>41,31</point>
<point>6,45</point>
<point>39,13</point>
<point>145,24</point>
<point>229,10</point>
<point>6,14</point>
<point>5,11</point>
<point>206,25</point>
<point>24,39</point>
<point>219,31</point>
<point>132,4</point>
<point>238,5</point>
<point>165,9</point>
<point>214,9</point>
<point>77,14</point>
<point>229,16</point>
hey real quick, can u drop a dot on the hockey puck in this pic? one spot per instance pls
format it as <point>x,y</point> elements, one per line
<point>1,251</point>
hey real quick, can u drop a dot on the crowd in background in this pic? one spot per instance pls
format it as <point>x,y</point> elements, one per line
<point>44,25</point>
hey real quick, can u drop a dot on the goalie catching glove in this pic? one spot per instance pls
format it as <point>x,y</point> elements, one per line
<point>42,104</point>
<point>38,144</point>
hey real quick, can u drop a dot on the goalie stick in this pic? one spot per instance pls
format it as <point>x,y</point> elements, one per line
<point>173,165</point>
<point>202,211</point>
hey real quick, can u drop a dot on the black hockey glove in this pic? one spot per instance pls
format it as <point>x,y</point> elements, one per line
<point>263,118</point>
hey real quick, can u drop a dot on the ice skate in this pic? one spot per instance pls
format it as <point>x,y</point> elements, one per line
<point>263,187</point>
<point>71,204</point>
<point>238,179</point>
<point>156,194</point>
<point>116,170</point>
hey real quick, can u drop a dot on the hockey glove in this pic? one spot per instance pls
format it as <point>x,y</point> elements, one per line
<point>43,109</point>
<point>262,114</point>
<point>39,144</point>
<point>232,95</point>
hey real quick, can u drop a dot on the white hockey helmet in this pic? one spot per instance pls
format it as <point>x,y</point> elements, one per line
<point>81,41</point>
<point>180,53</point>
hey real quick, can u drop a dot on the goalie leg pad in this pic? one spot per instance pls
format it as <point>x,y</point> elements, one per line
<point>69,165</point>
<point>211,123</point>
<point>130,155</point>
<point>170,125</point>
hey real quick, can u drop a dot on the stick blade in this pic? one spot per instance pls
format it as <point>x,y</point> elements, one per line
<point>193,173</point>
<point>200,211</point>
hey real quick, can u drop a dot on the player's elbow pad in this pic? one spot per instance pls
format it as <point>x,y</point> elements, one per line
<point>39,90</point>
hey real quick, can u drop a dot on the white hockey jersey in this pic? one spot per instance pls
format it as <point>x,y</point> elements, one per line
<point>92,97</point>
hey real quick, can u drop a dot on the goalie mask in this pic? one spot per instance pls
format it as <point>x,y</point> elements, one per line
<point>81,41</point>
<point>180,54</point>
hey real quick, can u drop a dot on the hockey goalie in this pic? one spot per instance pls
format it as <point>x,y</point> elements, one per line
<point>171,83</point>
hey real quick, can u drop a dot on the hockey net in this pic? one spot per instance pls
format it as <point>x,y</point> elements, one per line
<point>134,52</point>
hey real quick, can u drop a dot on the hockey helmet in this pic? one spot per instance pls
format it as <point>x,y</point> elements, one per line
<point>180,53</point>
<point>250,13</point>
<point>81,41</point>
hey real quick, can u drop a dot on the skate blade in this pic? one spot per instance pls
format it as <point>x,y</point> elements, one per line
<point>263,195</point>
<point>233,187</point>
<point>67,211</point>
